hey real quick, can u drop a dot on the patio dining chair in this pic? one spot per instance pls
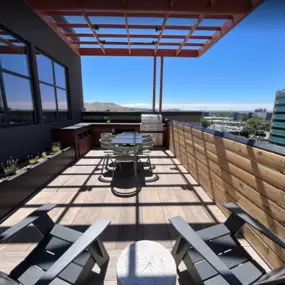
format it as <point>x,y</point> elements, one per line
<point>62,257</point>
<point>126,154</point>
<point>102,135</point>
<point>213,256</point>
<point>106,144</point>
<point>144,149</point>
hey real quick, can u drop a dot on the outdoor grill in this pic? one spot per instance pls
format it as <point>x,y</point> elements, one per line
<point>152,124</point>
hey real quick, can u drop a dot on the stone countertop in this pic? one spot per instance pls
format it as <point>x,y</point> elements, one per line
<point>82,125</point>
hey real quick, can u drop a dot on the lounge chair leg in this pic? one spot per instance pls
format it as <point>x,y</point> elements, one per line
<point>99,252</point>
<point>179,250</point>
<point>192,271</point>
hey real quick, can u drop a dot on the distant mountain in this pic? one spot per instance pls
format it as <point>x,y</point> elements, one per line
<point>103,107</point>
<point>98,106</point>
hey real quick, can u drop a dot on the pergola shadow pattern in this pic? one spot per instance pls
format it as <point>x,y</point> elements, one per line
<point>82,198</point>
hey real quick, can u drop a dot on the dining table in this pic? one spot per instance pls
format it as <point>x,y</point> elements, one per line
<point>127,139</point>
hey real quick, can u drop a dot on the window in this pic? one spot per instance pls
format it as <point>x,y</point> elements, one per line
<point>52,78</point>
<point>2,114</point>
<point>16,96</point>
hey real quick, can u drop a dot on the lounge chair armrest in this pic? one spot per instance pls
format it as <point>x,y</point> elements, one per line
<point>194,240</point>
<point>245,217</point>
<point>26,221</point>
<point>91,234</point>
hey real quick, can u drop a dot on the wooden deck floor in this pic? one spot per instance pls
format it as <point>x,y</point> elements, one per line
<point>82,198</point>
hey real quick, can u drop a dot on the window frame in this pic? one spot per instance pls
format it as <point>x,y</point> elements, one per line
<point>30,78</point>
<point>53,60</point>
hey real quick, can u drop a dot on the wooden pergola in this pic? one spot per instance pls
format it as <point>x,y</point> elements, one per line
<point>143,39</point>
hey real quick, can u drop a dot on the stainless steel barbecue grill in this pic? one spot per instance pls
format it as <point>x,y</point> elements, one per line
<point>152,124</point>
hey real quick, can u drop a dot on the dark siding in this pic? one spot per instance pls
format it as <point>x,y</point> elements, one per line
<point>19,142</point>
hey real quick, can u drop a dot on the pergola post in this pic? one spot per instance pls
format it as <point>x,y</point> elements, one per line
<point>161,83</point>
<point>154,84</point>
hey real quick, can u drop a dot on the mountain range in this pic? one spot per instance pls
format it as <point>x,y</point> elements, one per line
<point>98,106</point>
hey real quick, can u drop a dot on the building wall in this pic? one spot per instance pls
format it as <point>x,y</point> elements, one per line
<point>277,130</point>
<point>20,141</point>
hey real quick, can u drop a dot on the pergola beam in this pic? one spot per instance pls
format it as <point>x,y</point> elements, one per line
<point>58,30</point>
<point>53,12</point>
<point>162,6</point>
<point>227,27</point>
<point>138,44</point>
<point>133,36</point>
<point>128,35</point>
<point>137,14</point>
<point>161,84</point>
<point>140,27</point>
<point>93,31</point>
<point>193,28</point>
<point>137,52</point>
<point>161,32</point>
<point>154,84</point>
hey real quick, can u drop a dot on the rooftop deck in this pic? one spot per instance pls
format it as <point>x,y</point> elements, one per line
<point>82,198</point>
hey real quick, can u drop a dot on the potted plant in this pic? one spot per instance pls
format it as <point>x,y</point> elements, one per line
<point>11,167</point>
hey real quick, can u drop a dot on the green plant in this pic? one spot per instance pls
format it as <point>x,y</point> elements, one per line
<point>44,154</point>
<point>33,159</point>
<point>11,167</point>
<point>205,123</point>
<point>56,146</point>
<point>253,122</point>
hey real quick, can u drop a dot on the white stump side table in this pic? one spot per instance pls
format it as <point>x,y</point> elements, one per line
<point>146,262</point>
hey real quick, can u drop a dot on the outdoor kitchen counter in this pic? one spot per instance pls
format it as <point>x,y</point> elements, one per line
<point>98,128</point>
<point>81,125</point>
<point>83,136</point>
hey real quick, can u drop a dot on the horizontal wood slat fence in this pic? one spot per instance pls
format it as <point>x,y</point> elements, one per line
<point>230,171</point>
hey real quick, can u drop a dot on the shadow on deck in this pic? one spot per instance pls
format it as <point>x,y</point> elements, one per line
<point>138,209</point>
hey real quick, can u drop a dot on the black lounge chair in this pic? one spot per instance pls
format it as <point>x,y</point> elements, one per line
<point>213,256</point>
<point>62,257</point>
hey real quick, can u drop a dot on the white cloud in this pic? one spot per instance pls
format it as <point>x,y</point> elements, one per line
<point>205,106</point>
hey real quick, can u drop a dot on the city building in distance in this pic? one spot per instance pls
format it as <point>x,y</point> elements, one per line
<point>260,114</point>
<point>242,116</point>
<point>277,130</point>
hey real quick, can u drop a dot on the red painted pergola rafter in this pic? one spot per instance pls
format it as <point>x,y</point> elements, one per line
<point>133,36</point>
<point>128,34</point>
<point>53,12</point>
<point>93,31</point>
<point>138,27</point>
<point>137,14</point>
<point>137,52</point>
<point>193,28</point>
<point>137,44</point>
<point>161,32</point>
<point>228,26</point>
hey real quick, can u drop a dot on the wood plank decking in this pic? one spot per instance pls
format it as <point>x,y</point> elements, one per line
<point>82,198</point>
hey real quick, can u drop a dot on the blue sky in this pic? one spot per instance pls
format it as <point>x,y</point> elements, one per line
<point>242,71</point>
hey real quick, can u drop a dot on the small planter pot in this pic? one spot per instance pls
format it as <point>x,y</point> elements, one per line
<point>17,189</point>
<point>41,160</point>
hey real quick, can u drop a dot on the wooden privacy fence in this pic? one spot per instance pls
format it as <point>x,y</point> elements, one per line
<point>230,171</point>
